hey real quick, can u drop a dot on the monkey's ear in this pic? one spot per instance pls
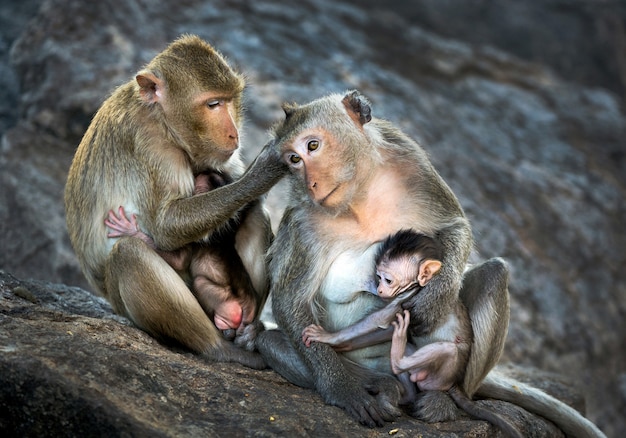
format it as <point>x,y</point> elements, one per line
<point>150,87</point>
<point>289,109</point>
<point>428,269</point>
<point>359,108</point>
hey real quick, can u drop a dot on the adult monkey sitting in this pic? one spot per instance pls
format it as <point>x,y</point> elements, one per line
<point>179,117</point>
<point>356,180</point>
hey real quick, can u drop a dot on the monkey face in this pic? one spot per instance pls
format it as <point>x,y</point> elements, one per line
<point>323,143</point>
<point>210,129</point>
<point>395,276</point>
<point>201,102</point>
<point>319,161</point>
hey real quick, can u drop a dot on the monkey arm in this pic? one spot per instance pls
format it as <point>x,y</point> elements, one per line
<point>361,334</point>
<point>376,337</point>
<point>181,221</point>
<point>371,330</point>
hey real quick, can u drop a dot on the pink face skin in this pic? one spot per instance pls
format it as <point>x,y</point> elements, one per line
<point>398,275</point>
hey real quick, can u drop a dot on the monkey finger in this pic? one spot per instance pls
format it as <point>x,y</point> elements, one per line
<point>399,321</point>
<point>372,415</point>
<point>307,339</point>
<point>113,225</point>
<point>396,327</point>
<point>407,316</point>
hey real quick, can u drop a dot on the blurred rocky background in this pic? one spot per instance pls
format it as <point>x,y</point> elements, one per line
<point>521,106</point>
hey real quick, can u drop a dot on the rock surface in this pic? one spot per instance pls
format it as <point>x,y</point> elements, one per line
<point>70,367</point>
<point>536,154</point>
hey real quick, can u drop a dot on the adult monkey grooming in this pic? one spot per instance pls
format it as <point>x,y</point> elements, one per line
<point>177,118</point>
<point>356,180</point>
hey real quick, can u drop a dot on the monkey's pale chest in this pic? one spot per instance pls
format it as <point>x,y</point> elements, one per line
<point>349,287</point>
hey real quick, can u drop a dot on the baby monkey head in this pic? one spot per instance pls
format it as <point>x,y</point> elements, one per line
<point>406,260</point>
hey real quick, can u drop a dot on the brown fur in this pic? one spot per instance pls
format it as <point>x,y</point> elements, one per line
<point>178,117</point>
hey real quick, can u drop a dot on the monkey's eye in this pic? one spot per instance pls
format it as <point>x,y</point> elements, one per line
<point>313,145</point>
<point>388,281</point>
<point>213,103</point>
<point>294,159</point>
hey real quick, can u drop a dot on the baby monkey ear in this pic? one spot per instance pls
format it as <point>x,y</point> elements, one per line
<point>359,108</point>
<point>428,269</point>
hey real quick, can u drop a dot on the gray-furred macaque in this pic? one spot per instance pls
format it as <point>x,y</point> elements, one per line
<point>405,262</point>
<point>354,181</point>
<point>218,278</point>
<point>178,117</point>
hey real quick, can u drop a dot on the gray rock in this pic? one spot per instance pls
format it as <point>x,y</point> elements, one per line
<point>70,367</point>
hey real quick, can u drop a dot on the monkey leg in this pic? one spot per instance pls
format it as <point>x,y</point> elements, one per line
<point>143,287</point>
<point>485,293</point>
<point>409,389</point>
<point>282,357</point>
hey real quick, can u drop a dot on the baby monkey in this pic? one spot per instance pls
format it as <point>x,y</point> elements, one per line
<point>220,282</point>
<point>405,262</point>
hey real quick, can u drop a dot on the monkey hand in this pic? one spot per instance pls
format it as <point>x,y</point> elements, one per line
<point>246,337</point>
<point>398,341</point>
<point>121,225</point>
<point>315,333</point>
<point>268,165</point>
<point>419,327</point>
<point>372,403</point>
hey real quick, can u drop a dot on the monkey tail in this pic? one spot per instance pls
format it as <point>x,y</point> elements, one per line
<point>568,419</point>
<point>477,411</point>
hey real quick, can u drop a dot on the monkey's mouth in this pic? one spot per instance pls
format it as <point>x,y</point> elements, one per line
<point>322,201</point>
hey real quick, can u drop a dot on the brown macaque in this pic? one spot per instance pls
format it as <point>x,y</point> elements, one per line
<point>354,181</point>
<point>219,280</point>
<point>406,261</point>
<point>178,117</point>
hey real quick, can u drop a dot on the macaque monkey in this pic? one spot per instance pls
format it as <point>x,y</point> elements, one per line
<point>405,262</point>
<point>219,280</point>
<point>178,117</point>
<point>354,181</point>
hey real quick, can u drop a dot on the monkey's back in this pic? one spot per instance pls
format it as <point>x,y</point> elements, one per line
<point>110,169</point>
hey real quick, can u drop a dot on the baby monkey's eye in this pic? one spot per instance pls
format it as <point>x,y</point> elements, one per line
<point>388,280</point>
<point>313,145</point>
